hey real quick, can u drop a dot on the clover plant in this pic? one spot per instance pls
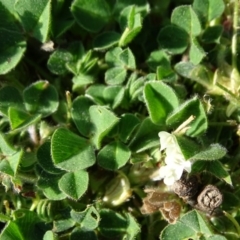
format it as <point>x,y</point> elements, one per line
<point>119,119</point>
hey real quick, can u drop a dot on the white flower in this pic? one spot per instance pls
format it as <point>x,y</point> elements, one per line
<point>166,140</point>
<point>175,161</point>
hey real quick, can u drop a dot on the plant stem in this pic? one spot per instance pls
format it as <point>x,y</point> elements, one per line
<point>235,223</point>
<point>235,74</point>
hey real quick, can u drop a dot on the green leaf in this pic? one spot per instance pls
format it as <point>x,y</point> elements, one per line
<point>49,235</point>
<point>198,73</point>
<point>70,151</point>
<point>5,147</point>
<point>185,18</point>
<point>173,39</point>
<point>96,93</point>
<point>26,226</point>
<point>192,107</point>
<point>212,34</point>
<point>115,75</point>
<point>89,218</point>
<point>133,228</point>
<point>208,9</point>
<point>196,53</point>
<point>127,125</point>
<point>79,233</point>
<point>146,136</point>
<point>112,224</point>
<point>127,58</point>
<point>110,93</point>
<point>13,44</point>
<point>80,115</point>
<point>91,15</point>
<point>41,97</point>
<point>166,73</point>
<point>214,167</point>
<point>158,58</point>
<point>131,23</point>
<point>106,40</point>
<point>214,152</point>
<point>35,17</point>
<point>112,57</point>
<point>189,225</point>
<point>10,97</point>
<point>20,120</point>
<point>103,121</point>
<point>48,183</point>
<point>57,61</point>
<point>74,184</point>
<point>188,147</point>
<point>113,156</point>
<point>80,81</point>
<point>160,100</point>
<point>45,159</point>
<point>10,164</point>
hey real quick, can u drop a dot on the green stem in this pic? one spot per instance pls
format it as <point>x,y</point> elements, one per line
<point>233,220</point>
<point>235,74</point>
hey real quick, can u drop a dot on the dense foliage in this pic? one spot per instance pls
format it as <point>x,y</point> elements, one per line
<point>99,98</point>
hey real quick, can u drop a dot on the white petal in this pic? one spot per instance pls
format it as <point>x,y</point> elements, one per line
<point>169,180</point>
<point>187,166</point>
<point>166,140</point>
<point>158,174</point>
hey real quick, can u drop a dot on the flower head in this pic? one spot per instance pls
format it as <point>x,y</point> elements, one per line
<point>175,161</point>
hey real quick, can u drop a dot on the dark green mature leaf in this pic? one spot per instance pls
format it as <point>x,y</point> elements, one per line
<point>41,97</point>
<point>146,136</point>
<point>127,125</point>
<point>214,167</point>
<point>188,147</point>
<point>161,100</point>
<point>79,233</point>
<point>112,224</point>
<point>70,151</point>
<point>103,121</point>
<point>173,39</point>
<point>74,184</point>
<point>26,226</point>
<point>10,97</point>
<point>189,225</point>
<point>192,107</point>
<point>89,218</point>
<point>214,152</point>
<point>185,18</point>
<point>208,9</point>
<point>113,156</point>
<point>45,159</point>
<point>106,40</point>
<point>35,17</point>
<point>212,34</point>
<point>13,44</point>
<point>57,61</point>
<point>91,15</point>
<point>80,115</point>
<point>48,183</point>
